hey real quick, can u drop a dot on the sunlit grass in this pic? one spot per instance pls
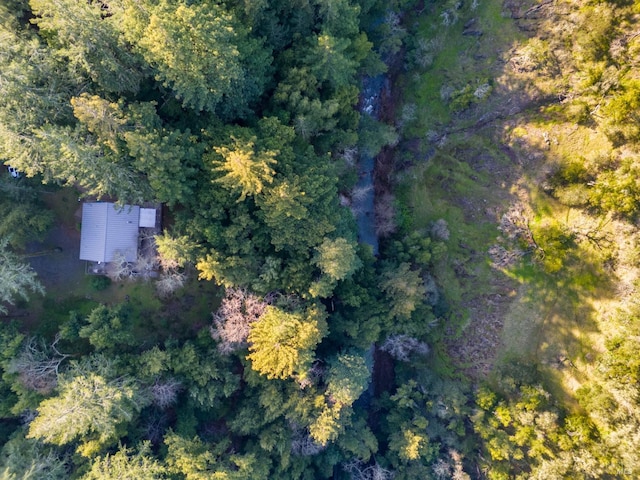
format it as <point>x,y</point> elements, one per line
<point>556,321</point>
<point>561,288</point>
<point>458,60</point>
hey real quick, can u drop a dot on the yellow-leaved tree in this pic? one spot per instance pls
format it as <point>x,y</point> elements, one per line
<point>282,343</point>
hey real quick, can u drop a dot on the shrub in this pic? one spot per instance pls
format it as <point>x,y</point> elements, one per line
<point>100,282</point>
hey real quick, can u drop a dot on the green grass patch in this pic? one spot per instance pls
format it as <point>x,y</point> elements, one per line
<point>179,316</point>
<point>55,313</point>
<point>448,188</point>
<point>154,319</point>
<point>457,57</point>
<point>63,202</point>
<point>435,190</point>
<point>553,321</point>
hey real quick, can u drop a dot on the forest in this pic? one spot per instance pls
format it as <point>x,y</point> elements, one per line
<point>488,330</point>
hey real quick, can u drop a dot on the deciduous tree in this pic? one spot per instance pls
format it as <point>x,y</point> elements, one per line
<point>401,346</point>
<point>38,364</point>
<point>232,321</point>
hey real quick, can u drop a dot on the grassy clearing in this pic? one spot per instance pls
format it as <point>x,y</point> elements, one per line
<point>454,57</point>
<point>555,320</point>
<point>549,308</point>
<point>69,288</point>
<point>433,191</point>
<point>458,184</point>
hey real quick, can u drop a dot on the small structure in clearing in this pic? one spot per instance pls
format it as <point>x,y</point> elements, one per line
<point>110,232</point>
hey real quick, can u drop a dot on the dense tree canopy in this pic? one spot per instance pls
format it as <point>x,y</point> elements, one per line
<point>243,119</point>
<point>92,405</point>
<point>125,464</point>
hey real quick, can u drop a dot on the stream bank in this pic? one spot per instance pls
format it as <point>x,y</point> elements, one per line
<point>375,95</point>
<point>364,203</point>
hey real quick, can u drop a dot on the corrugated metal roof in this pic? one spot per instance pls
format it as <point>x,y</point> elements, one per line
<point>107,230</point>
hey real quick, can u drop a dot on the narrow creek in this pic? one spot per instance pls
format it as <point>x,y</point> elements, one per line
<point>364,203</point>
<point>364,207</point>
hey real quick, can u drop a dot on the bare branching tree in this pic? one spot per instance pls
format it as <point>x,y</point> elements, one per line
<point>357,209</point>
<point>145,265</point>
<point>302,444</point>
<point>239,308</point>
<point>119,268</point>
<point>362,471</point>
<point>458,469</point>
<point>385,215</point>
<point>440,230</point>
<point>164,393</point>
<point>350,156</point>
<point>408,114</point>
<point>441,469</point>
<point>432,294</point>
<point>359,193</point>
<point>402,346</point>
<point>169,282</point>
<point>38,364</point>
<point>514,225</point>
<point>154,426</point>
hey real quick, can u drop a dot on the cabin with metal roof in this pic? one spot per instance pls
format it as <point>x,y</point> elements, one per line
<point>109,229</point>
